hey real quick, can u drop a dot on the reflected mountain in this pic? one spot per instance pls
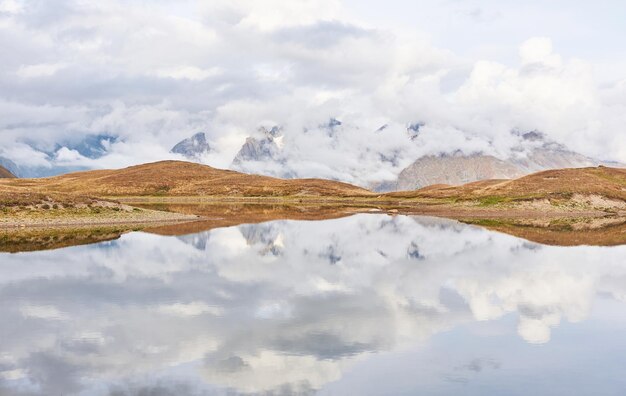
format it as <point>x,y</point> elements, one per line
<point>226,215</point>
<point>557,231</point>
<point>303,307</point>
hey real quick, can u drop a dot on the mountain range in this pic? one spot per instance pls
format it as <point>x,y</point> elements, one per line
<point>539,154</point>
<point>267,152</point>
<point>534,153</point>
<point>91,146</point>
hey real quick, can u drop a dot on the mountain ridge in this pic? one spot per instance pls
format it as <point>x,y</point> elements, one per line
<point>180,178</point>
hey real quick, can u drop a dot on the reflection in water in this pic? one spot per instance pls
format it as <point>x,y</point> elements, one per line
<point>368,304</point>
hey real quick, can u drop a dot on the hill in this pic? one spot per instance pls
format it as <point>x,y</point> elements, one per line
<point>179,178</point>
<point>5,173</point>
<point>600,187</point>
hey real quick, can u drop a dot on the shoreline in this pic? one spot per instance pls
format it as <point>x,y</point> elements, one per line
<point>61,218</point>
<point>46,230</point>
<point>147,215</point>
<point>97,223</point>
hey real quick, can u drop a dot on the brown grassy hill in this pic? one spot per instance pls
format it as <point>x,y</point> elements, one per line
<point>178,178</point>
<point>605,231</point>
<point>5,174</point>
<point>226,215</point>
<point>602,181</point>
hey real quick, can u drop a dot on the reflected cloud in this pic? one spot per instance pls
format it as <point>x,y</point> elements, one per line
<point>285,306</point>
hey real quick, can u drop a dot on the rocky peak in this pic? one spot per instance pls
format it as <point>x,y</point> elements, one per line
<point>263,148</point>
<point>331,126</point>
<point>193,147</point>
<point>257,150</point>
<point>271,133</point>
<point>413,130</point>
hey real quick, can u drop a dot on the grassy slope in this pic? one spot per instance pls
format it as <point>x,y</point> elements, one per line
<point>561,183</point>
<point>550,192</point>
<point>67,196</point>
<point>20,207</point>
<point>5,174</point>
<point>177,178</point>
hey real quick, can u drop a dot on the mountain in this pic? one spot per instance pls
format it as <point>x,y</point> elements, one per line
<point>89,146</point>
<point>5,173</point>
<point>264,148</point>
<point>534,153</point>
<point>594,184</point>
<point>10,167</point>
<point>455,169</point>
<point>179,178</point>
<point>194,147</point>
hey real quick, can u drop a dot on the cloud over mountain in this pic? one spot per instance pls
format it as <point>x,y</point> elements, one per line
<point>152,74</point>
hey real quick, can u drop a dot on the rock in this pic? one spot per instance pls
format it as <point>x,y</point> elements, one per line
<point>194,147</point>
<point>265,148</point>
<point>454,170</point>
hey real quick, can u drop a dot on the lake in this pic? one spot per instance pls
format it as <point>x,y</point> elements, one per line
<point>368,304</point>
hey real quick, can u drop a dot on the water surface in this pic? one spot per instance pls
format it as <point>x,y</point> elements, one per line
<point>368,305</point>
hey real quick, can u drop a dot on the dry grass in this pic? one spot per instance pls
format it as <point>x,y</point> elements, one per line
<point>602,181</point>
<point>590,192</point>
<point>35,209</point>
<point>178,178</point>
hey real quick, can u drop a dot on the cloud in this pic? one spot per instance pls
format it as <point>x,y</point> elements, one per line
<point>10,6</point>
<point>148,308</point>
<point>188,72</point>
<point>153,74</point>
<point>40,70</point>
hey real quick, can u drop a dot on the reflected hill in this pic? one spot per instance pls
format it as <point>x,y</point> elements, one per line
<point>34,239</point>
<point>569,231</point>
<point>559,231</point>
<point>220,215</point>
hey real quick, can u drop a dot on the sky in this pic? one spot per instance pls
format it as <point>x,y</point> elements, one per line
<point>151,73</point>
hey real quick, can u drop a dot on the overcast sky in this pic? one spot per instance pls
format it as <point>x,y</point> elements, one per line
<point>155,72</point>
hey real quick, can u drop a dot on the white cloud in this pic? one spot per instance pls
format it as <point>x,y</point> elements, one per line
<point>11,6</point>
<point>188,72</point>
<point>153,74</point>
<point>40,70</point>
<point>539,50</point>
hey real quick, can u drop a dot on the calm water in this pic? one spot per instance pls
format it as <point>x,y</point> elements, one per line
<point>364,305</point>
